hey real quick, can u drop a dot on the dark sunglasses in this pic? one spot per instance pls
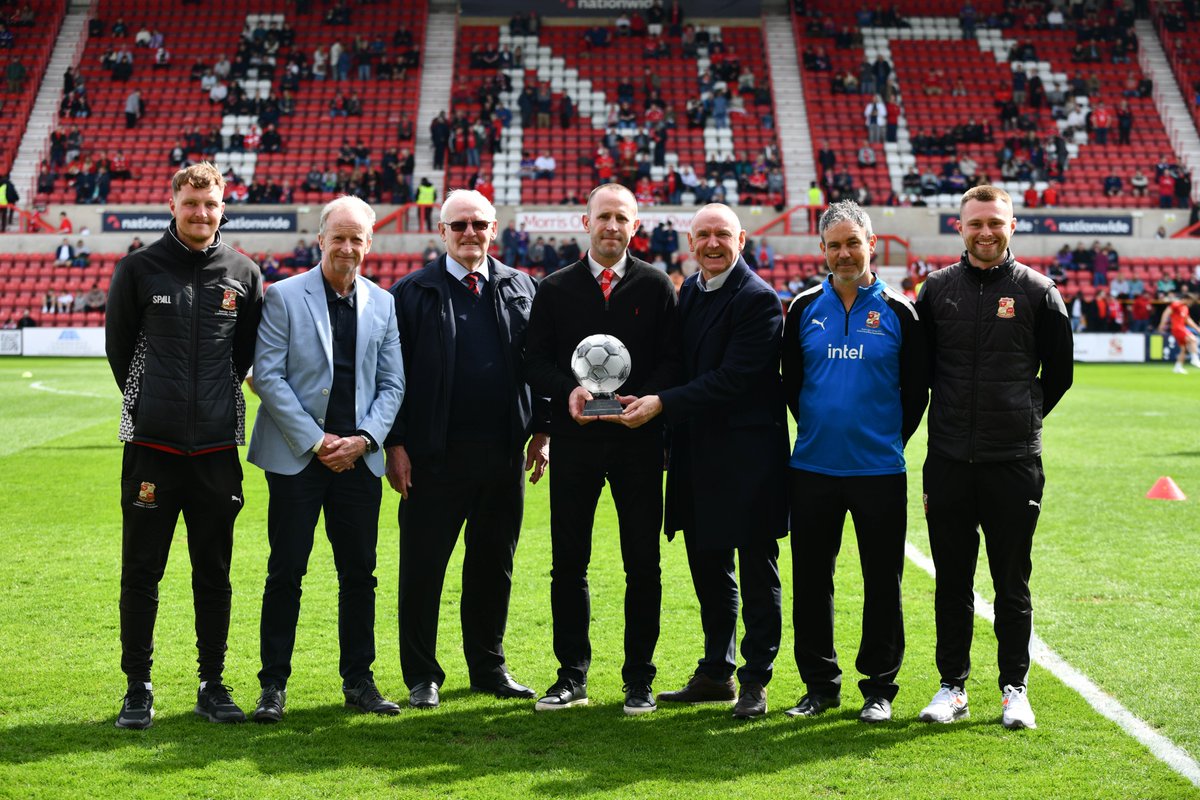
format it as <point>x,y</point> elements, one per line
<point>460,226</point>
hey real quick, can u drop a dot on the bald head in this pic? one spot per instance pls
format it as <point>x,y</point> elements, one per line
<point>716,239</point>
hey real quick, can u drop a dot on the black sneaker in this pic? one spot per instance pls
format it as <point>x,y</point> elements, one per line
<point>639,699</point>
<point>270,704</point>
<point>215,705</point>
<point>365,696</point>
<point>565,693</point>
<point>137,709</point>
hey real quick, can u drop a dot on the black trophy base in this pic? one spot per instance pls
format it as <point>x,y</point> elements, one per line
<point>603,405</point>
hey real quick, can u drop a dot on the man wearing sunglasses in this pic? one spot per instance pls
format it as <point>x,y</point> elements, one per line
<point>455,451</point>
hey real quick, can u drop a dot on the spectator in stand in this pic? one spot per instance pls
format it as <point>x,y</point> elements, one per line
<point>94,299</point>
<point>1139,313</point>
<point>64,253</point>
<point>1031,197</point>
<point>1183,188</point>
<point>1119,286</point>
<point>15,73</point>
<point>64,223</point>
<point>1113,186</point>
<point>875,116</point>
<point>1166,188</point>
<point>1139,184</point>
<point>1101,119</point>
<point>1050,196</point>
<point>1124,123</point>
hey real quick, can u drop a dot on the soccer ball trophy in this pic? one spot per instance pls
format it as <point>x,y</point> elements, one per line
<point>601,364</point>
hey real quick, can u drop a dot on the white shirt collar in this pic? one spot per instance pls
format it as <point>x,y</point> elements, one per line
<point>716,283</point>
<point>618,268</point>
<point>458,271</point>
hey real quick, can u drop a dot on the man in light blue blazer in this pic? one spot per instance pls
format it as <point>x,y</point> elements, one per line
<point>331,377</point>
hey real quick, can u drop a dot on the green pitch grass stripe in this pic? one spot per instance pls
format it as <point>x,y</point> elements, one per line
<point>1160,746</point>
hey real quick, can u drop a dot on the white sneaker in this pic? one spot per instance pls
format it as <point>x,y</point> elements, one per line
<point>1017,711</point>
<point>948,705</point>
<point>1179,370</point>
<point>1195,362</point>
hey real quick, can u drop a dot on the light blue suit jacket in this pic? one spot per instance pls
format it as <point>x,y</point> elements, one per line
<point>293,371</point>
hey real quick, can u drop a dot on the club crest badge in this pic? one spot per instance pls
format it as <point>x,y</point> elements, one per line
<point>229,300</point>
<point>1007,308</point>
<point>872,319</point>
<point>146,492</point>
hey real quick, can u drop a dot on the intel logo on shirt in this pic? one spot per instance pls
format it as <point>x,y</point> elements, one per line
<point>845,351</point>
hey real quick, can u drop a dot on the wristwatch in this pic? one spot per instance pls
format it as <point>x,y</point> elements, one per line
<point>370,444</point>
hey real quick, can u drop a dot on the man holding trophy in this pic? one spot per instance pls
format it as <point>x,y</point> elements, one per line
<point>728,410</point>
<point>608,292</point>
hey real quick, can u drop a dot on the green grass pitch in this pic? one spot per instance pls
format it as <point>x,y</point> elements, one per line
<point>1116,593</point>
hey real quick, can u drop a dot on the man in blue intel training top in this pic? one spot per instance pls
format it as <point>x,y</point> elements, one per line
<point>855,377</point>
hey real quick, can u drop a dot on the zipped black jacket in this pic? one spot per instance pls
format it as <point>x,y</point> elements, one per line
<point>180,330</point>
<point>1001,357</point>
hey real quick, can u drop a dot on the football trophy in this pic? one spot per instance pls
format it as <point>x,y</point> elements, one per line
<point>601,364</point>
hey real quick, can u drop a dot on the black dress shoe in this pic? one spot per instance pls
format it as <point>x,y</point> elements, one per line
<point>752,702</point>
<point>366,697</point>
<point>504,687</point>
<point>270,704</point>
<point>424,695</point>
<point>812,704</point>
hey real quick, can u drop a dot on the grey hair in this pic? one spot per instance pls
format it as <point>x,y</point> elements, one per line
<point>350,203</point>
<point>844,211</point>
<point>488,208</point>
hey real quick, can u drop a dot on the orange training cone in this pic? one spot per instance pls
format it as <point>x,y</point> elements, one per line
<point>1165,489</point>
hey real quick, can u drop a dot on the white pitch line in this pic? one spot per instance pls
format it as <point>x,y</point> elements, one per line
<point>41,387</point>
<point>1160,746</point>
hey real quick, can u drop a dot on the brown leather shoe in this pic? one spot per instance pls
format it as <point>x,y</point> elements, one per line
<point>752,702</point>
<point>702,689</point>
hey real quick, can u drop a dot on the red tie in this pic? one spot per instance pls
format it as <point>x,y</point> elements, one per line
<point>471,279</point>
<point>606,279</point>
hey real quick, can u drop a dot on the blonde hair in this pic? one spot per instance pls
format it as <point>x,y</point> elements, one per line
<point>199,176</point>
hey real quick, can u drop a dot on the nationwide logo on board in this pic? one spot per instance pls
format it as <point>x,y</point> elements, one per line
<point>242,221</point>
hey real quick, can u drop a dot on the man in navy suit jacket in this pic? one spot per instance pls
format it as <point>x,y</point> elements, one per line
<point>329,370</point>
<point>729,410</point>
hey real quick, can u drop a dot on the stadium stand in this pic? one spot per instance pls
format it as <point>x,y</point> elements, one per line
<point>596,77</point>
<point>175,103</point>
<point>29,29</point>
<point>941,89</point>
<point>945,92</point>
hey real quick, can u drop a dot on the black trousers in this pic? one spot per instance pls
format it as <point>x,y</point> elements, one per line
<point>762,613</point>
<point>481,485</point>
<point>155,488</point>
<point>1004,499</point>
<point>350,501</point>
<point>634,473</point>
<point>877,505</point>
